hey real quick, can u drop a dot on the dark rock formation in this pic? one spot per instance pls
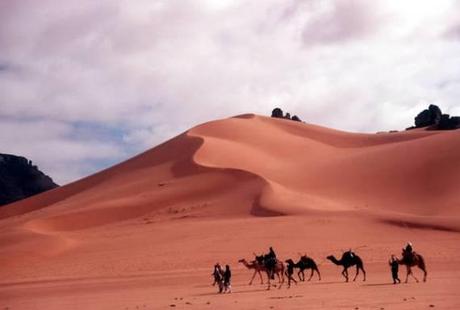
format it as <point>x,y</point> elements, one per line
<point>278,113</point>
<point>435,120</point>
<point>20,179</point>
<point>428,117</point>
<point>448,122</point>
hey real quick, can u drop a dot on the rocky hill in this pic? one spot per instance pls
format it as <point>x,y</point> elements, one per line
<point>19,179</point>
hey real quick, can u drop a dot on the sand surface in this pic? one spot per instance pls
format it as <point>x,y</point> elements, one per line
<point>145,234</point>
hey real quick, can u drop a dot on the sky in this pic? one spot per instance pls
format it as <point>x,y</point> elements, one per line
<point>86,84</point>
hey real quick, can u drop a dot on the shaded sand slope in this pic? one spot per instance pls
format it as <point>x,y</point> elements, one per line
<point>310,168</point>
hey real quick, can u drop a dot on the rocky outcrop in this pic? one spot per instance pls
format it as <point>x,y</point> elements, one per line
<point>19,179</point>
<point>433,119</point>
<point>428,117</point>
<point>278,113</point>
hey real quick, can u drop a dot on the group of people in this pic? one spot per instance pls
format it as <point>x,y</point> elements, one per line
<point>222,278</point>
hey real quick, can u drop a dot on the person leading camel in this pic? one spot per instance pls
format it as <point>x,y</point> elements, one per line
<point>290,271</point>
<point>394,269</point>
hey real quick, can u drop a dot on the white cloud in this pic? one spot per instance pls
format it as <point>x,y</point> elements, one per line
<point>148,70</point>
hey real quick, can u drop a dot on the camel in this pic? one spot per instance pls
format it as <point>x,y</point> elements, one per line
<point>349,259</point>
<point>415,260</point>
<point>304,263</point>
<point>258,268</point>
<point>272,267</point>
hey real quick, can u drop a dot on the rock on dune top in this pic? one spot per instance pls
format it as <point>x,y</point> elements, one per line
<point>19,179</point>
<point>435,120</point>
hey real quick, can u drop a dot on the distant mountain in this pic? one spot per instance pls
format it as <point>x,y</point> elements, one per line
<point>20,179</point>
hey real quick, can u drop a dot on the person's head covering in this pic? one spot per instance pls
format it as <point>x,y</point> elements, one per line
<point>409,243</point>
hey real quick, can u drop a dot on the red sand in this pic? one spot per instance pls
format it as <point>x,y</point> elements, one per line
<point>145,234</point>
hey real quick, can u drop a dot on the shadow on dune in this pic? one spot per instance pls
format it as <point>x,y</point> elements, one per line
<point>379,284</point>
<point>419,225</point>
<point>233,293</point>
<point>330,282</point>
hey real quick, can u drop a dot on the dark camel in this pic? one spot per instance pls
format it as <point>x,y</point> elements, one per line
<point>413,260</point>
<point>305,263</point>
<point>348,260</point>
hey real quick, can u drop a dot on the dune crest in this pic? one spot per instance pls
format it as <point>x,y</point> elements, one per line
<point>251,165</point>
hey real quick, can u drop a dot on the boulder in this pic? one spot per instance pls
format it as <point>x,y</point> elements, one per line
<point>277,113</point>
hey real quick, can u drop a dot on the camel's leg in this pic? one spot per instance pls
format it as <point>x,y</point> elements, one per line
<point>413,276</point>
<point>424,273</point>
<point>409,272</point>
<point>357,273</point>
<point>364,273</point>
<point>345,274</point>
<point>253,276</point>
<point>261,278</point>
<point>311,274</point>
<point>319,275</point>
<point>301,273</point>
<point>269,284</point>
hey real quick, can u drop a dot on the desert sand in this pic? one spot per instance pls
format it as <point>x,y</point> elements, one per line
<point>146,233</point>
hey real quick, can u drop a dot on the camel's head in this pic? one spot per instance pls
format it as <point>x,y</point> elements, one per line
<point>330,257</point>
<point>241,260</point>
<point>289,261</point>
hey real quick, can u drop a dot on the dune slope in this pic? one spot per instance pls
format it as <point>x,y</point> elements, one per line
<point>144,233</point>
<point>263,166</point>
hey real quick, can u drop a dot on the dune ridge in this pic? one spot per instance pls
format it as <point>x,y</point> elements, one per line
<point>254,165</point>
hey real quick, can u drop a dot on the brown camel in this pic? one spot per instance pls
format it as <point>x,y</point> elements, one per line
<point>257,269</point>
<point>349,259</point>
<point>411,261</point>
<point>260,267</point>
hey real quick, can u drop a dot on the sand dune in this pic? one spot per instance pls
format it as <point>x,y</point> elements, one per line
<point>225,189</point>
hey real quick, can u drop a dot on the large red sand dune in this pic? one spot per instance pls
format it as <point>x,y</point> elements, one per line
<point>146,232</point>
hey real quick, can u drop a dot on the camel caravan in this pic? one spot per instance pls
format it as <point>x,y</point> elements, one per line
<point>274,269</point>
